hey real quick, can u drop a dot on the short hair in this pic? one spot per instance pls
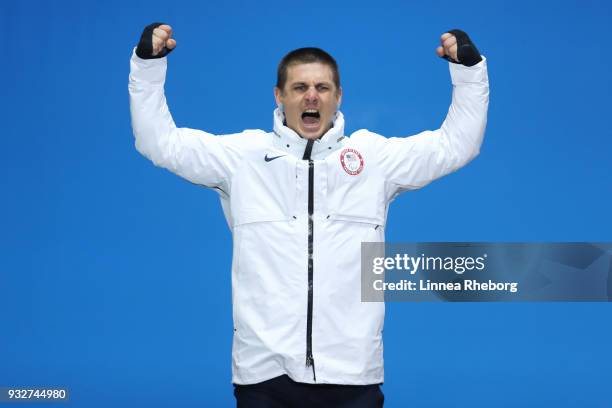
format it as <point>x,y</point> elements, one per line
<point>306,55</point>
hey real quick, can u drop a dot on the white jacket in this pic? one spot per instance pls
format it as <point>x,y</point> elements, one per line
<point>283,324</point>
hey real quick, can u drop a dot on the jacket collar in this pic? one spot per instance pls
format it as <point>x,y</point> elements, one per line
<point>288,140</point>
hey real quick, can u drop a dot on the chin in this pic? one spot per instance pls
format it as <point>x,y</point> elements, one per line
<point>313,134</point>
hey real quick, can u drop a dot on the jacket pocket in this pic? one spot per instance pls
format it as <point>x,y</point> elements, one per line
<point>260,194</point>
<point>355,200</point>
<point>252,215</point>
<point>360,218</point>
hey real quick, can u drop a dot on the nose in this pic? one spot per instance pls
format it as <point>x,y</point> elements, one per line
<point>312,95</point>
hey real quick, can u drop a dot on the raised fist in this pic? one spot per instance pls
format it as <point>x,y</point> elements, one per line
<point>155,41</point>
<point>458,48</point>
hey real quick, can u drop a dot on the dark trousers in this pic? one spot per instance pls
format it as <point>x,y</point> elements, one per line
<point>283,392</point>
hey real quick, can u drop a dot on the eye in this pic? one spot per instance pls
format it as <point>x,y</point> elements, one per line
<point>300,87</point>
<point>322,88</point>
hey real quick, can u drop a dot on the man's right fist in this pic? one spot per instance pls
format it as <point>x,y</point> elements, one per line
<point>155,41</point>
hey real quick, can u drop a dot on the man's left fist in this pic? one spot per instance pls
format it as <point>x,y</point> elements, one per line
<point>458,48</point>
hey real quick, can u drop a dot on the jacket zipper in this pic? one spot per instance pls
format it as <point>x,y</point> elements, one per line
<point>309,358</point>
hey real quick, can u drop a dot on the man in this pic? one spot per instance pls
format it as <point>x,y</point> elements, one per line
<point>299,201</point>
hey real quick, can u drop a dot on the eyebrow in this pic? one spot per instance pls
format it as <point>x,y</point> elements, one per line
<point>304,83</point>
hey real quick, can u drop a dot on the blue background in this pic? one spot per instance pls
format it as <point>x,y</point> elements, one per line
<point>115,275</point>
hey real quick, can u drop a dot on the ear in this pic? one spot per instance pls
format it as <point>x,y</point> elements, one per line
<point>278,96</point>
<point>339,96</point>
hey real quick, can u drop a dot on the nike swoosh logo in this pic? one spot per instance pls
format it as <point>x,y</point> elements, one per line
<point>268,159</point>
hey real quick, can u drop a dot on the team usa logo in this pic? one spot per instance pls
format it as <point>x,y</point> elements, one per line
<point>352,162</point>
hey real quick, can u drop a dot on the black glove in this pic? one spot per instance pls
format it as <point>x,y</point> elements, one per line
<point>145,46</point>
<point>467,53</point>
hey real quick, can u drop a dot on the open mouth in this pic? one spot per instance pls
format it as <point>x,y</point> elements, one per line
<point>311,118</point>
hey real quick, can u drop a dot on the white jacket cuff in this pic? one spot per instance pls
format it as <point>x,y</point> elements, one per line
<point>460,74</point>
<point>152,71</point>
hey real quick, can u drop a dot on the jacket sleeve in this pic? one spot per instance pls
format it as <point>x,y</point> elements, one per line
<point>197,156</point>
<point>412,162</point>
